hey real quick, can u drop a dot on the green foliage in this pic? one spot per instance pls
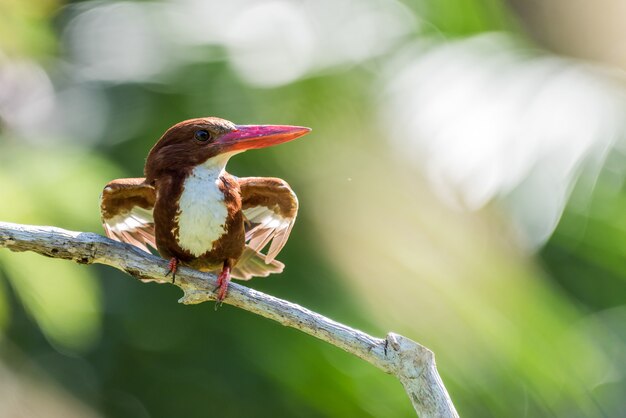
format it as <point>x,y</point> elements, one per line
<point>25,27</point>
<point>63,298</point>
<point>451,18</point>
<point>66,303</point>
<point>515,334</point>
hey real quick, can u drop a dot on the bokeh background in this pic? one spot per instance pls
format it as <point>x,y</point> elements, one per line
<point>463,186</point>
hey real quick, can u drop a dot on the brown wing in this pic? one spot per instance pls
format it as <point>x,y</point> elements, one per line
<point>126,208</point>
<point>270,207</point>
<point>252,264</point>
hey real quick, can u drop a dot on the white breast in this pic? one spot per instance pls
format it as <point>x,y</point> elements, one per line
<point>202,211</point>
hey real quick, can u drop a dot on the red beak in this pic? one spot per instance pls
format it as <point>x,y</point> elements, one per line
<point>260,136</point>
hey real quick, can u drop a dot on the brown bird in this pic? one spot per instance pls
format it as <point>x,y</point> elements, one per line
<point>195,213</point>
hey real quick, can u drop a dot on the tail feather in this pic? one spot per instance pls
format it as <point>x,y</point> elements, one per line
<point>252,264</point>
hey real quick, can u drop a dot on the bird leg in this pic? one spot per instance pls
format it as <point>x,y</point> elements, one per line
<point>222,284</point>
<point>172,266</point>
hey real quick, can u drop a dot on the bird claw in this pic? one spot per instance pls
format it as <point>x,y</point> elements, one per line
<point>221,294</point>
<point>222,286</point>
<point>172,266</point>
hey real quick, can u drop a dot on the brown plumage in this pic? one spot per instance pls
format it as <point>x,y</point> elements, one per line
<point>195,213</point>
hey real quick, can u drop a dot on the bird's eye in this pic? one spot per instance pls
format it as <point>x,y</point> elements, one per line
<point>202,135</point>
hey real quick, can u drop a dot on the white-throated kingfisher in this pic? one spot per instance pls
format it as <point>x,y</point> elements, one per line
<point>195,213</point>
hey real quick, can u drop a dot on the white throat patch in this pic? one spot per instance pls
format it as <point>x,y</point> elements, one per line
<point>201,210</point>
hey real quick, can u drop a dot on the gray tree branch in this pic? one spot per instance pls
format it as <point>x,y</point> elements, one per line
<point>412,363</point>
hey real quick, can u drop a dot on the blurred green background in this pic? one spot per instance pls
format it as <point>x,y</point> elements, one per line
<point>463,186</point>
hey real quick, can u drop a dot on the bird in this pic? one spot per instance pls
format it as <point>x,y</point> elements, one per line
<point>194,213</point>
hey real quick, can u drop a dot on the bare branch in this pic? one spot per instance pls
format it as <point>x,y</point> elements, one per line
<point>412,363</point>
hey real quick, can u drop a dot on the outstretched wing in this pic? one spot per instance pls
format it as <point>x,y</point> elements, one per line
<point>252,264</point>
<point>270,208</point>
<point>126,208</point>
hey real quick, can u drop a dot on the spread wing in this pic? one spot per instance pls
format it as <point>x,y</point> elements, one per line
<point>126,208</point>
<point>270,208</point>
<point>252,264</point>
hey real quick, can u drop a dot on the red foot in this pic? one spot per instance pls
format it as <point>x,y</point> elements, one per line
<point>222,284</point>
<point>172,266</point>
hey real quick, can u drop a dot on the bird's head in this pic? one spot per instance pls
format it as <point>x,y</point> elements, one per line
<point>196,141</point>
